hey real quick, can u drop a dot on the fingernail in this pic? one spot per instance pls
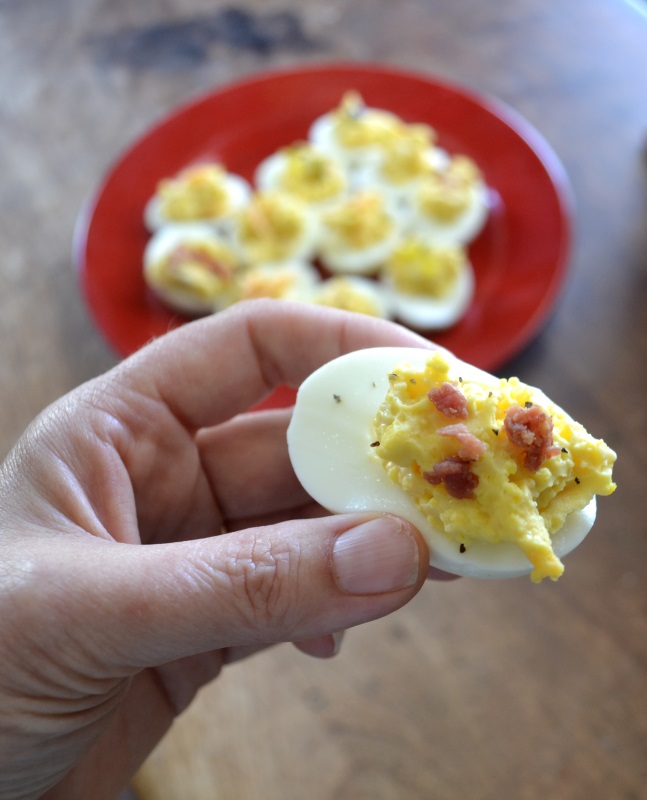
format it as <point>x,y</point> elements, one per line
<point>377,556</point>
<point>337,637</point>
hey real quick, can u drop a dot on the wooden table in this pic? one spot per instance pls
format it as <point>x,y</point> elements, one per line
<point>476,690</point>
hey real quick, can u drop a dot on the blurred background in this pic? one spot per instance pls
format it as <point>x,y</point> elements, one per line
<point>476,690</point>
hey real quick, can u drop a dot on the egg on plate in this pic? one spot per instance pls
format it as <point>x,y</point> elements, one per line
<point>500,481</point>
<point>353,293</point>
<point>430,285</point>
<point>295,280</point>
<point>354,133</point>
<point>275,227</point>
<point>450,204</point>
<point>192,268</point>
<point>200,193</point>
<point>313,175</point>
<point>358,234</point>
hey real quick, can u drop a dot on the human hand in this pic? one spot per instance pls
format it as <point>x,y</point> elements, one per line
<point>104,641</point>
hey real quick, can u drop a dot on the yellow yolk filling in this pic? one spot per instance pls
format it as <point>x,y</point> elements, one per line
<point>447,193</point>
<point>340,292</point>
<point>310,175</point>
<point>270,226</point>
<point>422,269</point>
<point>407,156</point>
<point>197,194</point>
<point>360,221</point>
<point>510,503</point>
<point>355,125</point>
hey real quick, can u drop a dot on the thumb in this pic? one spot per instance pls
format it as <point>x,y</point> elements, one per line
<point>288,582</point>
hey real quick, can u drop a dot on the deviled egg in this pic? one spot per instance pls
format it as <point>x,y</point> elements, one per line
<point>200,193</point>
<point>275,227</point>
<point>354,133</point>
<point>353,293</point>
<point>301,169</point>
<point>191,268</point>
<point>296,280</point>
<point>450,204</point>
<point>430,285</point>
<point>499,480</point>
<point>358,234</point>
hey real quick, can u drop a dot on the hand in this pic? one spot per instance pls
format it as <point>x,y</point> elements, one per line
<point>105,641</point>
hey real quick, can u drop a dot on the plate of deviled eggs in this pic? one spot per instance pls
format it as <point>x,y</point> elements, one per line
<point>357,186</point>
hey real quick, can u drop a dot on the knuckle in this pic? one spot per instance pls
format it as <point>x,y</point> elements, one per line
<point>264,575</point>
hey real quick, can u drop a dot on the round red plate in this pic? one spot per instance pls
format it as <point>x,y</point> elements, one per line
<point>519,259</point>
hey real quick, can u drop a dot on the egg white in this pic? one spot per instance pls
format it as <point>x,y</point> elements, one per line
<point>433,313</point>
<point>329,445</point>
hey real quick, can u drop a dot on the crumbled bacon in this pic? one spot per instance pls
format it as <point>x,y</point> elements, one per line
<point>470,447</point>
<point>449,400</point>
<point>531,429</point>
<point>455,473</point>
<point>185,252</point>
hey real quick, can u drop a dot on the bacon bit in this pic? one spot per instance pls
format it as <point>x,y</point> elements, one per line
<point>470,448</point>
<point>456,475</point>
<point>462,548</point>
<point>185,252</point>
<point>449,400</point>
<point>375,444</point>
<point>531,429</point>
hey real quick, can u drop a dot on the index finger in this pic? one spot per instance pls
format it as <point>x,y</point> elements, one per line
<point>209,370</point>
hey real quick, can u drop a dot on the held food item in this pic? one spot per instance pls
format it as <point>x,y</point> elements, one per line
<point>500,481</point>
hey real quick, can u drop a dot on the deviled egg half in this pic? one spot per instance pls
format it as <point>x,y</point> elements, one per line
<point>500,481</point>
<point>430,285</point>
<point>201,193</point>
<point>301,169</point>
<point>358,234</point>
<point>274,228</point>
<point>450,204</point>
<point>353,293</point>
<point>354,133</point>
<point>191,268</point>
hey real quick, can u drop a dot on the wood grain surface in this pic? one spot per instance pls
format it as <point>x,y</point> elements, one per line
<point>479,690</point>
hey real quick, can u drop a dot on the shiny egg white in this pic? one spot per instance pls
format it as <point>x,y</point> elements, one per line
<point>329,441</point>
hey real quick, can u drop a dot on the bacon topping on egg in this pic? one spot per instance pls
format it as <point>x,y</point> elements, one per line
<point>449,400</point>
<point>531,430</point>
<point>455,473</point>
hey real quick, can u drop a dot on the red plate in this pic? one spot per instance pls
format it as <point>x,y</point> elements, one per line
<point>519,259</point>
